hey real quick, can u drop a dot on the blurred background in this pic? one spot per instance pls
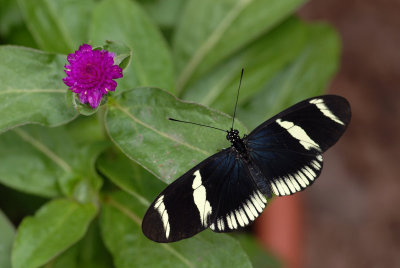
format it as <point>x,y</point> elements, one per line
<point>351,216</point>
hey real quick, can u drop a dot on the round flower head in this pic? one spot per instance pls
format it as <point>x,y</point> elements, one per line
<point>90,74</point>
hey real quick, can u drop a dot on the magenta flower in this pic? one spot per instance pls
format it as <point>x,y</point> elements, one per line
<point>90,74</point>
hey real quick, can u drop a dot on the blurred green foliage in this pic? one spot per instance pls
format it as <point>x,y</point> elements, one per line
<point>82,184</point>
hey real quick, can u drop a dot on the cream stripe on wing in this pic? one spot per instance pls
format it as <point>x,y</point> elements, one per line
<point>200,198</point>
<point>325,110</point>
<point>299,134</point>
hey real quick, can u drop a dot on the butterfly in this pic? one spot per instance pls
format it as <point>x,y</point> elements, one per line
<point>227,190</point>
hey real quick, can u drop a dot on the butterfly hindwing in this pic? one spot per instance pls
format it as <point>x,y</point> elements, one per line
<point>288,147</point>
<point>217,193</point>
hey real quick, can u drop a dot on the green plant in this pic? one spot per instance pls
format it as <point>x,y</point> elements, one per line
<point>92,196</point>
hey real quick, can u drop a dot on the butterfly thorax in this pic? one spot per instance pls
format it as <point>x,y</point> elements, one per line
<point>234,138</point>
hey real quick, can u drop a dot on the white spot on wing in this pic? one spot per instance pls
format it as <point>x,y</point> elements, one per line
<point>289,183</point>
<point>244,217</point>
<point>316,165</point>
<point>262,197</point>
<point>249,212</point>
<point>299,134</point>
<point>239,218</point>
<point>274,189</point>
<point>259,200</point>
<point>280,188</point>
<point>307,173</point>
<point>294,182</point>
<point>324,109</point>
<point>228,219</point>
<point>284,186</point>
<point>160,207</point>
<point>221,224</point>
<point>256,204</point>
<point>212,227</point>
<point>200,198</point>
<point>234,223</point>
<point>303,177</point>
<point>299,178</point>
<point>313,174</point>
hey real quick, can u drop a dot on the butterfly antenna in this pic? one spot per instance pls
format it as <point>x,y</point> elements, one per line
<point>197,124</point>
<point>237,98</point>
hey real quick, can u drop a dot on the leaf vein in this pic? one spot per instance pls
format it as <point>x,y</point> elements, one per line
<point>45,150</point>
<point>11,91</point>
<point>211,41</point>
<point>165,135</point>
<point>138,221</point>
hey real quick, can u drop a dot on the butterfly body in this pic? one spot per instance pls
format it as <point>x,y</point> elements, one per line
<point>227,191</point>
<point>239,146</point>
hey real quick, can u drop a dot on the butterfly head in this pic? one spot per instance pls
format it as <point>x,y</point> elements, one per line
<point>233,135</point>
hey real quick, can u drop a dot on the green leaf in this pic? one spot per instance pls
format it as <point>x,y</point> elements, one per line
<point>7,233</point>
<point>54,163</point>
<point>210,31</point>
<point>137,122</point>
<point>13,29</point>
<point>10,17</point>
<point>124,21</point>
<point>259,257</point>
<point>31,89</point>
<point>90,252</point>
<point>58,26</point>
<point>120,225</point>
<point>307,75</point>
<point>261,60</point>
<point>166,12</point>
<point>123,54</point>
<point>53,229</point>
<point>129,176</point>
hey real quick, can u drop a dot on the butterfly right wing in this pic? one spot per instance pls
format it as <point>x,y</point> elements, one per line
<point>288,147</point>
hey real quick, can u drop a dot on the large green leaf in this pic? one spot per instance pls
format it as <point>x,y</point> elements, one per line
<point>166,12</point>
<point>261,60</point>
<point>124,21</point>
<point>260,258</point>
<point>307,75</point>
<point>13,29</point>
<point>7,234</point>
<point>210,31</point>
<point>129,176</point>
<point>31,89</point>
<point>53,229</point>
<point>53,161</point>
<point>58,26</point>
<point>90,252</point>
<point>10,17</point>
<point>137,121</point>
<point>120,224</point>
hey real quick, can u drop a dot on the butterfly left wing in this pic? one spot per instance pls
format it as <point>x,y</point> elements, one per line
<point>217,193</point>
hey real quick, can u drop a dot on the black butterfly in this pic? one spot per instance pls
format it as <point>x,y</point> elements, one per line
<point>227,190</point>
